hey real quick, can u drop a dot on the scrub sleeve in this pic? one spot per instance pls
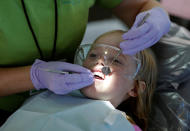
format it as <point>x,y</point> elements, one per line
<point>31,29</point>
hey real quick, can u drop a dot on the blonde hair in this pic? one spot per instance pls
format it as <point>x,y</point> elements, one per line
<point>140,106</point>
<point>148,74</point>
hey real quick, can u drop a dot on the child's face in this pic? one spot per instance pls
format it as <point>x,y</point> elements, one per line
<point>114,87</point>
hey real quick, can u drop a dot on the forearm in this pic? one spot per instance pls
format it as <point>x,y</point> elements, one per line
<point>128,9</point>
<point>15,80</point>
<point>149,5</point>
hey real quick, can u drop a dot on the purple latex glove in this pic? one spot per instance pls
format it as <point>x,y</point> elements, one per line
<point>141,37</point>
<point>59,83</point>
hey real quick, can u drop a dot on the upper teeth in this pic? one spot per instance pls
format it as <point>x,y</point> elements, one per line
<point>99,74</point>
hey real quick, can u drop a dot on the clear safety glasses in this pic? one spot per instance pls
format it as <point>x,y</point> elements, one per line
<point>110,58</point>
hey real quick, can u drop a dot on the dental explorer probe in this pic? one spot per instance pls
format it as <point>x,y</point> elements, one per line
<point>57,71</point>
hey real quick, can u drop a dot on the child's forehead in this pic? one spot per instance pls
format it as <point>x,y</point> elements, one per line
<point>113,39</point>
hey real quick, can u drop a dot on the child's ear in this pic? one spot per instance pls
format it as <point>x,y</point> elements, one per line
<point>139,86</point>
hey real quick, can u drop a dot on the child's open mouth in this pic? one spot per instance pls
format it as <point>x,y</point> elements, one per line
<point>98,75</point>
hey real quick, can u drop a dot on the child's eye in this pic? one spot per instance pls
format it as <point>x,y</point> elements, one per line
<point>92,55</point>
<point>117,61</point>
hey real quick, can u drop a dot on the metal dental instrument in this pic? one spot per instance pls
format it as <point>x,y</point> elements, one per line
<point>106,69</point>
<point>56,71</point>
<point>143,20</point>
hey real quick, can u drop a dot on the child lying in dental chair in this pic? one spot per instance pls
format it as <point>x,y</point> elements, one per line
<point>128,87</point>
<point>122,90</point>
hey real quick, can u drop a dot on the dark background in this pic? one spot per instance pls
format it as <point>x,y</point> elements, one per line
<point>99,13</point>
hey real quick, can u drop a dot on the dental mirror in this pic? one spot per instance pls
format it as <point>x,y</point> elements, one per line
<point>106,70</point>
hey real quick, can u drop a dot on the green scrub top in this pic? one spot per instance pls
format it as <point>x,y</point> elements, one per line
<point>26,23</point>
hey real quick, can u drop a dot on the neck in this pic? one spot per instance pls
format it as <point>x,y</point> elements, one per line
<point>116,102</point>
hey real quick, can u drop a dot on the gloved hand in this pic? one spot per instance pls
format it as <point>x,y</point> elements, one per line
<point>59,83</point>
<point>141,37</point>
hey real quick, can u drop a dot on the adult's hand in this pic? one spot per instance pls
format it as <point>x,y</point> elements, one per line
<point>140,37</point>
<point>59,83</point>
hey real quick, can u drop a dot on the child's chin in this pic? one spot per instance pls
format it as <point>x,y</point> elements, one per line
<point>87,90</point>
<point>93,92</point>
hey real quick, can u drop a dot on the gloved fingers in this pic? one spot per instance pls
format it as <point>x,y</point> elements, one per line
<point>70,82</point>
<point>138,42</point>
<point>71,87</point>
<point>79,86</point>
<point>136,32</point>
<point>146,45</point>
<point>78,78</point>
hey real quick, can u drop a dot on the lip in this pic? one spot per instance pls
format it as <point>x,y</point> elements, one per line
<point>96,70</point>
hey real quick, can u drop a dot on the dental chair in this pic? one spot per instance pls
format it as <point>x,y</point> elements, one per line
<point>171,108</point>
<point>171,102</point>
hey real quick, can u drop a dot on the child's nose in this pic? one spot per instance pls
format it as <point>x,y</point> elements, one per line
<point>101,61</point>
